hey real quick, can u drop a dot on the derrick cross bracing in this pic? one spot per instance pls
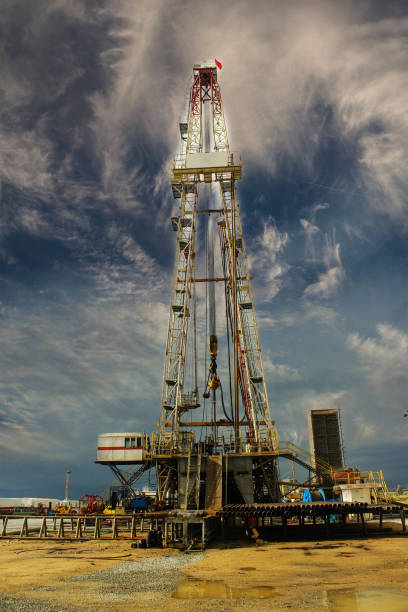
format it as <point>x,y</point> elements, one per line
<point>195,165</point>
<point>128,479</point>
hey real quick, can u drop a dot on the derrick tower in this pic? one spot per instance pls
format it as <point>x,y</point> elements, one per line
<point>203,180</point>
<point>220,457</point>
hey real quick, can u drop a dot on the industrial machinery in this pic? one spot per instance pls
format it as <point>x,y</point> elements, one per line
<point>64,509</point>
<point>90,504</point>
<point>229,453</point>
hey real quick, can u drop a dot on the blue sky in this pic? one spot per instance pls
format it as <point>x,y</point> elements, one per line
<point>315,95</point>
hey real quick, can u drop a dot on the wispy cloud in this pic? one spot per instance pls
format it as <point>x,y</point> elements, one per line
<point>384,358</point>
<point>266,259</point>
<point>279,372</point>
<point>331,279</point>
<point>139,67</point>
<point>77,365</point>
<point>316,208</point>
<point>383,387</point>
<point>294,415</point>
<point>365,431</point>
<point>310,230</point>
<point>266,321</point>
<point>320,314</point>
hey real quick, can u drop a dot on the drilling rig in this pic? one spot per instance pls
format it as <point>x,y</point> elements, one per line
<point>235,460</point>
<point>229,454</point>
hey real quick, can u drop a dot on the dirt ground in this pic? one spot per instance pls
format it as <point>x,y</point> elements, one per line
<point>358,574</point>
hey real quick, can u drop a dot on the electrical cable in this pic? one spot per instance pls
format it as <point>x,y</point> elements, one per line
<point>229,419</point>
<point>206,335</point>
<point>224,268</point>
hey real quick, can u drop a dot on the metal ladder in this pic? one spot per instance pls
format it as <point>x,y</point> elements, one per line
<point>186,495</point>
<point>198,477</point>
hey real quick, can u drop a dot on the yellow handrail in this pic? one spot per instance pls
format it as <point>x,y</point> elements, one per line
<point>297,451</point>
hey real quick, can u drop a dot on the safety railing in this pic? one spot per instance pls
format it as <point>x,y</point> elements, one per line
<point>380,489</point>
<point>179,162</point>
<point>165,444</point>
<point>297,451</point>
<point>172,443</point>
<point>71,527</point>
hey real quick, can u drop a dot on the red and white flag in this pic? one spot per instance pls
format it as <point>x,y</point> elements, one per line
<point>218,64</point>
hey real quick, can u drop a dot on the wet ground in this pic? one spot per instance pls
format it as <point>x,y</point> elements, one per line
<point>347,575</point>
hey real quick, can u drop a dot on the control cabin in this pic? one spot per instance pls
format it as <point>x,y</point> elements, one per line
<point>122,448</point>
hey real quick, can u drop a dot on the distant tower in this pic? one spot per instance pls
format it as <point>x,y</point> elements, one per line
<point>326,440</point>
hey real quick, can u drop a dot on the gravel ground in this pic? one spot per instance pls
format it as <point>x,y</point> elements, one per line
<point>154,577</point>
<point>123,581</point>
<point>11,604</point>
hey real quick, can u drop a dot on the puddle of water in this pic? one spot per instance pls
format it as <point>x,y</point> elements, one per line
<point>210,589</point>
<point>380,600</point>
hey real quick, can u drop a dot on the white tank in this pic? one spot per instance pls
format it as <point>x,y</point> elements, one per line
<point>122,448</point>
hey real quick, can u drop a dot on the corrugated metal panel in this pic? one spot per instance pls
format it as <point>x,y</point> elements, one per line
<point>325,437</point>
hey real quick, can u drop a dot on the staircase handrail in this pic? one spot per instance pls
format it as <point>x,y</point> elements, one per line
<point>320,464</point>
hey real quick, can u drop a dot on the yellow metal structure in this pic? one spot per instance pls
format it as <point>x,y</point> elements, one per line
<point>114,510</point>
<point>63,509</point>
<point>213,344</point>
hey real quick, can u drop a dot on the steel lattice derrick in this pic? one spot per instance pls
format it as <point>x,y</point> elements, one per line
<point>194,138</point>
<point>174,400</point>
<point>165,473</point>
<point>219,128</point>
<point>250,350</point>
<point>128,478</point>
<point>248,371</point>
<point>205,87</point>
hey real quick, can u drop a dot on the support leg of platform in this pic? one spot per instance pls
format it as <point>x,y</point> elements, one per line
<point>402,514</point>
<point>363,523</point>
<point>184,531</point>
<point>4,529</point>
<point>43,528</point>
<point>327,523</point>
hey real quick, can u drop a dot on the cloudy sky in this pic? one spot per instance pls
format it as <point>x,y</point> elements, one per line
<point>315,95</point>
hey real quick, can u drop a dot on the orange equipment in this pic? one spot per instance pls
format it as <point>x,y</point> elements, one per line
<point>91,504</point>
